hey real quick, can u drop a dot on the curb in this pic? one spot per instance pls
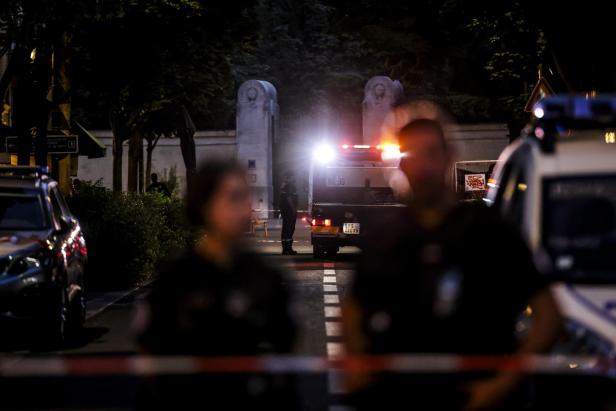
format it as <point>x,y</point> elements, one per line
<point>111,301</point>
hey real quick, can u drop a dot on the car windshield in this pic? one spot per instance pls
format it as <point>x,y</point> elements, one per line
<point>579,227</point>
<point>21,209</point>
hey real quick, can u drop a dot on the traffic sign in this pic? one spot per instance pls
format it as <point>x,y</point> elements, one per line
<point>56,144</point>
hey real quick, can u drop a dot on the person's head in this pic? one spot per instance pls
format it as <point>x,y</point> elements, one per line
<point>218,199</point>
<point>426,157</point>
<point>154,177</point>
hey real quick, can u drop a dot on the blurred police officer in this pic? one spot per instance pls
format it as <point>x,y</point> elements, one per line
<point>450,278</point>
<point>217,299</point>
<point>288,211</point>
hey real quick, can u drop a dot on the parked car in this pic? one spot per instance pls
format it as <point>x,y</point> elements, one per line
<point>43,255</point>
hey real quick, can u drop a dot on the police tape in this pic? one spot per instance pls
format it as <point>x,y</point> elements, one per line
<point>14,367</point>
<point>276,210</point>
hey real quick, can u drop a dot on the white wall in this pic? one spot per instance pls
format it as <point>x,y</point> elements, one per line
<point>217,144</point>
<point>478,141</point>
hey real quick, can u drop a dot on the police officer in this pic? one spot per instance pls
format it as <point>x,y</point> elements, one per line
<point>288,211</point>
<point>217,299</point>
<point>448,278</point>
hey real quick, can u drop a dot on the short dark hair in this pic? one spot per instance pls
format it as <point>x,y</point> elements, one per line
<point>154,177</point>
<point>204,184</point>
<point>422,125</point>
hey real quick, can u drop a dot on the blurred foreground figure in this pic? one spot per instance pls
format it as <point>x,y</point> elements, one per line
<point>288,211</point>
<point>451,278</point>
<point>217,300</point>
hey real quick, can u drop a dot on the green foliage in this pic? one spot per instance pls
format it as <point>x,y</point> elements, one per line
<point>511,47</point>
<point>127,233</point>
<point>316,67</point>
<point>137,59</point>
<point>470,108</point>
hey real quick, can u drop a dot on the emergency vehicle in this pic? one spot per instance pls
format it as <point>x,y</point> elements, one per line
<point>558,185</point>
<point>350,194</point>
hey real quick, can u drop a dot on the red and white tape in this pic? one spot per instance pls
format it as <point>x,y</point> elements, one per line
<point>186,365</point>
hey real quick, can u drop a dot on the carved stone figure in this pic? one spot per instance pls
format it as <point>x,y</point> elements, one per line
<point>381,95</point>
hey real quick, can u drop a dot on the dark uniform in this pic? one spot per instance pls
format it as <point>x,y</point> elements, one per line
<point>288,211</point>
<point>197,308</point>
<point>458,288</point>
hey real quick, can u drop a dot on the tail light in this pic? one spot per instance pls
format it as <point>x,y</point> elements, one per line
<point>325,222</point>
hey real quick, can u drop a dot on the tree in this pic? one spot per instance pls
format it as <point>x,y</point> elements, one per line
<point>513,48</point>
<point>135,58</point>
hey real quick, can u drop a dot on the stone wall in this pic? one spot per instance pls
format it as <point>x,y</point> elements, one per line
<point>256,124</point>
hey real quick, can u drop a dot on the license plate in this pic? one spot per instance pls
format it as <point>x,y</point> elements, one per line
<point>350,228</point>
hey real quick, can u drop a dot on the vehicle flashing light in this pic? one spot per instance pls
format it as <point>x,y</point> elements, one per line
<point>610,137</point>
<point>591,108</point>
<point>327,222</point>
<point>390,151</point>
<point>324,154</point>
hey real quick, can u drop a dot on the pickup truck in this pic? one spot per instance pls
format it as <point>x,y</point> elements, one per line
<point>350,196</point>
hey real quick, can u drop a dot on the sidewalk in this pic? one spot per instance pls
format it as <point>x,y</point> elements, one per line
<point>271,244</point>
<point>97,302</point>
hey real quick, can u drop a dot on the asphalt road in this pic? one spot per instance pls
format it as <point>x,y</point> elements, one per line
<point>317,286</point>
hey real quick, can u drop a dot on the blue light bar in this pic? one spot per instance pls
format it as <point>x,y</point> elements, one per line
<point>600,110</point>
<point>555,117</point>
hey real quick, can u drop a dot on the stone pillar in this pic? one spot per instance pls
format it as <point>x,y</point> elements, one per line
<point>381,95</point>
<point>256,123</point>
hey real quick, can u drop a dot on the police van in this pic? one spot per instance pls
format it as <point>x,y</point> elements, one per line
<point>558,185</point>
<point>350,194</point>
